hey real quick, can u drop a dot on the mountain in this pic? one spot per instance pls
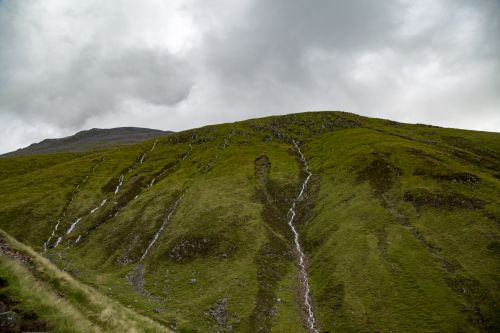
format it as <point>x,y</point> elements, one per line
<point>397,226</point>
<point>95,138</point>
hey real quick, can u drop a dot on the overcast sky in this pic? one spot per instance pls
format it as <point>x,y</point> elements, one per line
<point>72,65</point>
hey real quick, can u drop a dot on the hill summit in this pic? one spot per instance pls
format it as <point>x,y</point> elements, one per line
<point>311,222</point>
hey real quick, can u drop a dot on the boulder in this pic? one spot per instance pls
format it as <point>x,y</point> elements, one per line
<point>8,319</point>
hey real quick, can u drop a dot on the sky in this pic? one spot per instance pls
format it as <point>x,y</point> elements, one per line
<point>66,66</point>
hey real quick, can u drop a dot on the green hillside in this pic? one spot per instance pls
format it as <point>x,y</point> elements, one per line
<point>399,223</point>
<point>45,299</point>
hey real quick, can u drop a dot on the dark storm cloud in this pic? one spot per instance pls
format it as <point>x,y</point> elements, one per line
<point>185,63</point>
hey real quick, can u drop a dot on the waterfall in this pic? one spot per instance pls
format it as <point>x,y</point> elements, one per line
<point>311,322</point>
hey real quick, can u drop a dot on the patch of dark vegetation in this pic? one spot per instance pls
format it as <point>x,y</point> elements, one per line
<point>332,298</point>
<point>429,158</point>
<point>496,175</point>
<point>134,242</point>
<point>284,128</point>
<point>185,249</point>
<point>403,220</point>
<point>421,197</point>
<point>110,186</point>
<point>472,153</point>
<point>274,257</point>
<point>274,196</point>
<point>450,265</point>
<point>428,126</point>
<point>406,137</point>
<point>493,217</point>
<point>273,262</point>
<point>3,282</point>
<point>382,242</point>
<point>134,188</point>
<point>166,170</point>
<point>130,251</point>
<point>392,123</point>
<point>14,318</point>
<point>494,248</point>
<point>459,142</point>
<point>476,296</point>
<point>262,167</point>
<point>182,137</point>
<point>198,136</point>
<point>380,173</point>
<point>305,212</point>
<point>276,200</point>
<point>465,178</point>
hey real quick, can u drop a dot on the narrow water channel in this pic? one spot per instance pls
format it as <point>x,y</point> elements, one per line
<point>304,280</point>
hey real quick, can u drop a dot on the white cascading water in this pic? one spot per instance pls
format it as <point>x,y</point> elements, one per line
<point>73,225</point>
<point>52,235</point>
<point>58,241</point>
<point>311,322</point>
<point>143,156</point>
<point>164,224</point>
<point>120,183</point>
<point>154,145</point>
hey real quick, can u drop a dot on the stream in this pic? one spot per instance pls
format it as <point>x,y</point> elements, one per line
<point>160,230</point>
<point>311,321</point>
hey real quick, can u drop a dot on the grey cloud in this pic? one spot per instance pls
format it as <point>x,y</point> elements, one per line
<point>96,81</point>
<point>429,61</point>
<point>396,59</point>
<point>57,78</point>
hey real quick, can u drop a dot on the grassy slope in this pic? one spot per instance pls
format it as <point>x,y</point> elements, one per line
<point>42,294</point>
<point>400,224</point>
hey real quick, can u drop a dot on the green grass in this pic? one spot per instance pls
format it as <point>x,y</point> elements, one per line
<point>40,291</point>
<point>400,224</point>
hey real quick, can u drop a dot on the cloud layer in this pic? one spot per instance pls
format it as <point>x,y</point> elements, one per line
<point>67,66</point>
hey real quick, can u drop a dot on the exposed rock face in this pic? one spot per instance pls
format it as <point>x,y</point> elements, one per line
<point>90,139</point>
<point>218,312</point>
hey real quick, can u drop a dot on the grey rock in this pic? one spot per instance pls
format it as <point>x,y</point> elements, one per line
<point>8,319</point>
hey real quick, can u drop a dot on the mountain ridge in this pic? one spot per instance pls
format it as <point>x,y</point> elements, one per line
<point>91,139</point>
<point>398,224</point>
